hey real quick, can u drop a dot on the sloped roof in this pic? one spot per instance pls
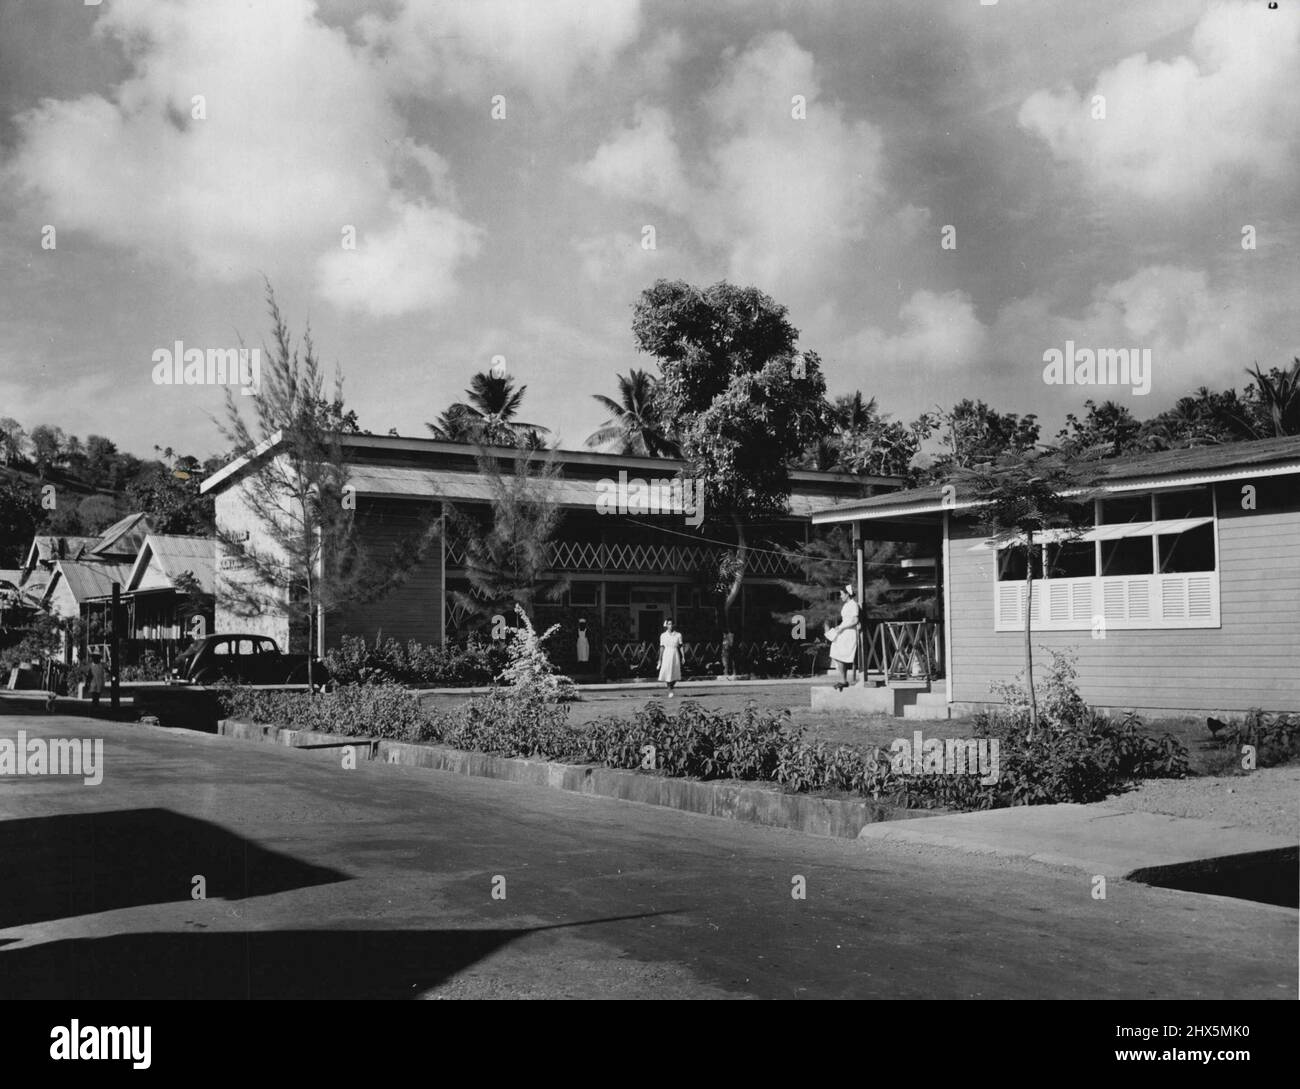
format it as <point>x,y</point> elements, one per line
<point>90,580</point>
<point>46,547</point>
<point>169,557</point>
<point>1166,466</point>
<point>124,537</point>
<point>453,486</point>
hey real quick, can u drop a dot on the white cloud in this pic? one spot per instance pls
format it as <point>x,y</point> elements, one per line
<point>402,268</point>
<point>299,140</point>
<point>782,196</point>
<point>640,163</point>
<point>494,46</point>
<point>1174,130</point>
<point>939,332</point>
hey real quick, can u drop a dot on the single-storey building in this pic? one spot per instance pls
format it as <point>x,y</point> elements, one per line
<point>1182,596</point>
<point>631,545</point>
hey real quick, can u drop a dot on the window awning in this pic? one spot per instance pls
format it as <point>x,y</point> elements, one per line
<point>1112,532</point>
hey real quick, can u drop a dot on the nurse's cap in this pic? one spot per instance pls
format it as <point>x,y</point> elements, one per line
<point>848,588</point>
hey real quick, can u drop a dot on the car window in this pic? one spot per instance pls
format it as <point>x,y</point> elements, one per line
<point>266,646</point>
<point>221,646</point>
<point>247,648</point>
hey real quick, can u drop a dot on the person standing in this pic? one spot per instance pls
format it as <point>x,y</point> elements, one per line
<point>670,656</point>
<point>96,679</point>
<point>844,636</point>
<point>583,647</point>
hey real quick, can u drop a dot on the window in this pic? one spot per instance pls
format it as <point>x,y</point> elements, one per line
<point>1071,560</point>
<point>1126,556</point>
<point>1192,503</point>
<point>1115,511</point>
<point>1149,561</point>
<point>617,593</point>
<point>1011,564</point>
<point>1192,550</point>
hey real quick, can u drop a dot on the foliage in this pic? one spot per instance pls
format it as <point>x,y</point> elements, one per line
<point>315,561</point>
<point>151,667</point>
<point>389,661</point>
<point>528,669</point>
<point>973,433</point>
<point>508,722</point>
<point>506,561</point>
<point>637,424</point>
<point>1276,738</point>
<point>488,415</point>
<point>386,711</point>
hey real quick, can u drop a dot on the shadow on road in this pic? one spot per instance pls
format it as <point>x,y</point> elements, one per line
<point>84,863</point>
<point>278,964</point>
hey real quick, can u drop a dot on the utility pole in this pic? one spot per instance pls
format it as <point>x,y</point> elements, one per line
<point>114,626</point>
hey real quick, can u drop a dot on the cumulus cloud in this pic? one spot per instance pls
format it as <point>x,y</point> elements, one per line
<point>297,139</point>
<point>1176,130</point>
<point>640,163</point>
<point>493,46</point>
<point>780,184</point>
<point>940,331</point>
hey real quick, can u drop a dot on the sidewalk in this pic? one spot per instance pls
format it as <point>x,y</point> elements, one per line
<point>1096,839</point>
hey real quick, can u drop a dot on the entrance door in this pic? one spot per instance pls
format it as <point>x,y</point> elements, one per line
<point>649,623</point>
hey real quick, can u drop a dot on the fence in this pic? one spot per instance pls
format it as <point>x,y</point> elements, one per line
<point>630,658</point>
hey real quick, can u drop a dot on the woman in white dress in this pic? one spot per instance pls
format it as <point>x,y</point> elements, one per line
<point>670,656</point>
<point>844,636</point>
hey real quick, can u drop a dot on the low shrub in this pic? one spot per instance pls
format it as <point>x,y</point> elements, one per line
<point>506,723</point>
<point>1275,738</point>
<point>388,661</point>
<point>373,710</point>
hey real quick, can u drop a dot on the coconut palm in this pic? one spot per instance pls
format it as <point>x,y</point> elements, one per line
<point>636,425</point>
<point>488,414</point>
<point>1276,399</point>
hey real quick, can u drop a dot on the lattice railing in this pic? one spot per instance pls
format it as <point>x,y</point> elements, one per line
<point>779,659</point>
<point>589,556</point>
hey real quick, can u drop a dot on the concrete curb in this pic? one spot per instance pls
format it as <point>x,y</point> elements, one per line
<point>728,799</point>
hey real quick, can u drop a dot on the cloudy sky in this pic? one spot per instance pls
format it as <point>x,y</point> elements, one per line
<point>815,150</point>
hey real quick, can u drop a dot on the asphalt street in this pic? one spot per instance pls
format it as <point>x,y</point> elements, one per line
<point>322,881</point>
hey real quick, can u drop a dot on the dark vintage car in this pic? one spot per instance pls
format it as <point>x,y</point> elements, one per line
<point>244,659</point>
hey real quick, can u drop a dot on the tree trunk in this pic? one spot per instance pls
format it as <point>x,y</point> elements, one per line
<point>733,592</point>
<point>1029,653</point>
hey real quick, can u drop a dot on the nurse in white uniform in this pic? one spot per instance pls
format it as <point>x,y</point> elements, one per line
<point>844,637</point>
<point>670,656</point>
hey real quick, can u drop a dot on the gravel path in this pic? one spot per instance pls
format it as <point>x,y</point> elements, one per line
<point>1267,800</point>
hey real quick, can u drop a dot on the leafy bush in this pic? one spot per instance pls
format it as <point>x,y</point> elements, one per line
<point>1276,738</point>
<point>373,710</point>
<point>150,668</point>
<point>508,723</point>
<point>529,669</point>
<point>391,662</point>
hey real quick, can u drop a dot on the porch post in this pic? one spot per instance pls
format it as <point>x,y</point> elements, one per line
<point>114,651</point>
<point>859,662</point>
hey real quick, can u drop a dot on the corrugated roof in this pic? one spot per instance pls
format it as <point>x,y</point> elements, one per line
<point>124,537</point>
<point>87,580</point>
<point>445,484</point>
<point>47,547</point>
<point>174,555</point>
<point>1113,472</point>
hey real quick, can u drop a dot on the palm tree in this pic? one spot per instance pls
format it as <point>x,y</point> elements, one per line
<point>488,416</point>
<point>636,424</point>
<point>851,412</point>
<point>1276,399</point>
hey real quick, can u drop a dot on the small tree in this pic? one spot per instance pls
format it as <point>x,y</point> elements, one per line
<point>529,670</point>
<point>1020,495</point>
<point>506,561</point>
<point>316,562</point>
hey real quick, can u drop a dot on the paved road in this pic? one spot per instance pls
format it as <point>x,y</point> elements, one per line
<point>378,881</point>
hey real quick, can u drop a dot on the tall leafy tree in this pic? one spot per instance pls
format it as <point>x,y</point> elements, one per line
<point>636,424</point>
<point>315,561</point>
<point>973,432</point>
<point>13,440</point>
<point>745,403</point>
<point>1109,428</point>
